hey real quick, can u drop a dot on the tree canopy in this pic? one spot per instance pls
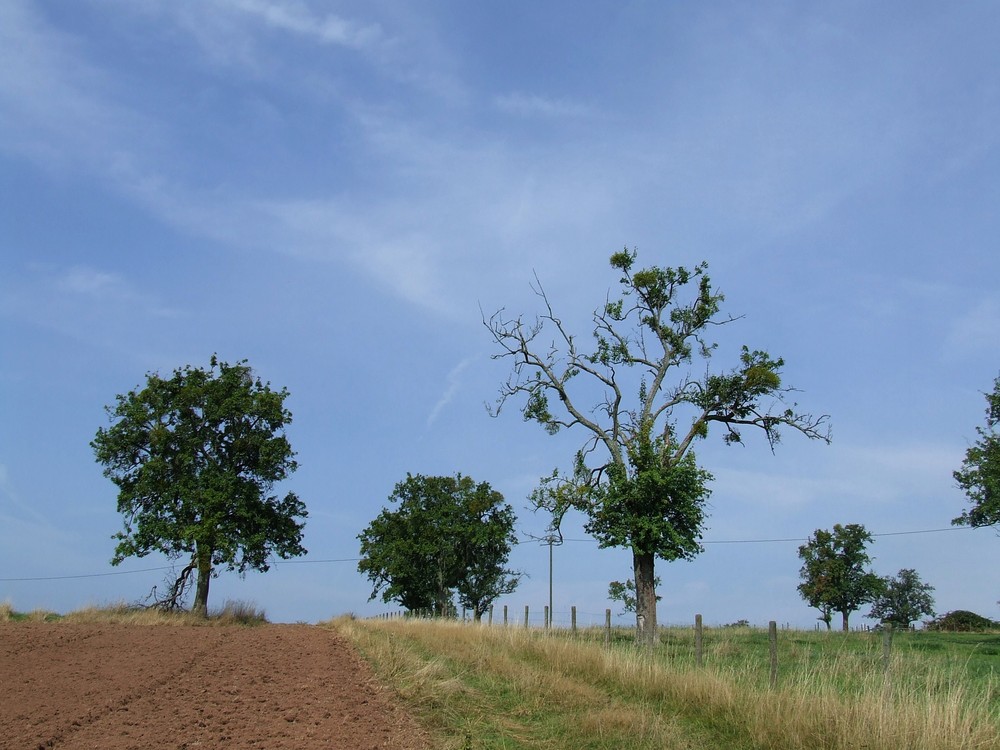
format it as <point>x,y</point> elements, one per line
<point>641,401</point>
<point>448,537</point>
<point>903,599</point>
<point>980,472</point>
<point>834,576</point>
<point>195,457</point>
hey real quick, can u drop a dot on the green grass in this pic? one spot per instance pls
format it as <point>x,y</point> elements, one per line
<point>495,687</point>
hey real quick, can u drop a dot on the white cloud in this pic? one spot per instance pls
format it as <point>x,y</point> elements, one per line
<point>856,476</point>
<point>81,302</point>
<point>91,282</point>
<point>297,18</point>
<point>53,103</point>
<point>532,105</point>
<point>453,383</point>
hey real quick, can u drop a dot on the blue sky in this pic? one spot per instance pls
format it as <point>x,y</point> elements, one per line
<point>333,191</point>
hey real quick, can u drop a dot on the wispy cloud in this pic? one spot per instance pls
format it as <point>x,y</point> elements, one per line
<point>297,18</point>
<point>91,282</point>
<point>14,510</point>
<point>856,475</point>
<point>453,383</point>
<point>532,105</point>
<point>81,302</point>
<point>976,331</point>
<point>54,106</point>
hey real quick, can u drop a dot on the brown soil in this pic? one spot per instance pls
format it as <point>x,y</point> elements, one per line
<point>158,686</point>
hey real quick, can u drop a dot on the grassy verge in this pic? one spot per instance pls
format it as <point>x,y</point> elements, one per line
<point>480,687</point>
<point>232,613</point>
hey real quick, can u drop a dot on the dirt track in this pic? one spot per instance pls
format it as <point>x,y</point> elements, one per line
<point>111,687</point>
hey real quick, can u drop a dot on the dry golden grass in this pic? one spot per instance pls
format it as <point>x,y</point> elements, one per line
<point>511,687</point>
<point>232,613</point>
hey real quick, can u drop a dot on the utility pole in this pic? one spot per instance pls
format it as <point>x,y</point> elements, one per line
<point>551,611</point>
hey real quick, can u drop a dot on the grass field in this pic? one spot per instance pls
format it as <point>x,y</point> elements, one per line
<point>495,687</point>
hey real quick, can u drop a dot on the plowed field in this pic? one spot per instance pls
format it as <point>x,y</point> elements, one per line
<point>113,687</point>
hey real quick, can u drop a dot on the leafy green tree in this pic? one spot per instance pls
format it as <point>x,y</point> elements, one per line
<point>980,472</point>
<point>903,599</point>
<point>640,401</point>
<point>834,578</point>
<point>448,537</point>
<point>195,458</point>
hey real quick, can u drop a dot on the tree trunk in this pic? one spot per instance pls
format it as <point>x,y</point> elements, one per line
<point>645,598</point>
<point>443,596</point>
<point>204,556</point>
<point>845,615</point>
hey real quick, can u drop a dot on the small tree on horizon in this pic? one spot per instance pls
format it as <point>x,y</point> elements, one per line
<point>447,537</point>
<point>834,578</point>
<point>903,599</point>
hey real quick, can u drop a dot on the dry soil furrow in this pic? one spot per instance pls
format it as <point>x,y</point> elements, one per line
<point>197,687</point>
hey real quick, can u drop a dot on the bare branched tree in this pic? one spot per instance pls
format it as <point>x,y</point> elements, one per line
<point>635,395</point>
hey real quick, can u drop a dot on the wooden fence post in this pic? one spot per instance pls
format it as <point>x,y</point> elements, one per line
<point>886,646</point>
<point>547,617</point>
<point>572,611</point>
<point>525,615</point>
<point>607,627</point>
<point>505,615</point>
<point>772,637</point>
<point>697,640</point>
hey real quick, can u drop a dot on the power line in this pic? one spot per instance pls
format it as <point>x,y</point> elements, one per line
<point>802,539</point>
<point>358,559</point>
<point>86,575</point>
<point>149,570</point>
<point>885,533</point>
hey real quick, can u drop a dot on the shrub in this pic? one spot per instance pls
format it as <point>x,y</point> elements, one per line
<point>241,613</point>
<point>961,620</point>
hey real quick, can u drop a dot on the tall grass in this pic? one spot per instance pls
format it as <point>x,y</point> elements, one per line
<point>231,613</point>
<point>512,687</point>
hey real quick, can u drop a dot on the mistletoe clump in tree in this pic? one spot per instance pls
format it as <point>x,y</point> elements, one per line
<point>636,478</point>
<point>195,457</point>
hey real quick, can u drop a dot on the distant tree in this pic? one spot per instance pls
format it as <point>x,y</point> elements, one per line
<point>833,572</point>
<point>195,457</point>
<point>980,472</point>
<point>962,621</point>
<point>625,593</point>
<point>641,403</point>
<point>903,599</point>
<point>448,536</point>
